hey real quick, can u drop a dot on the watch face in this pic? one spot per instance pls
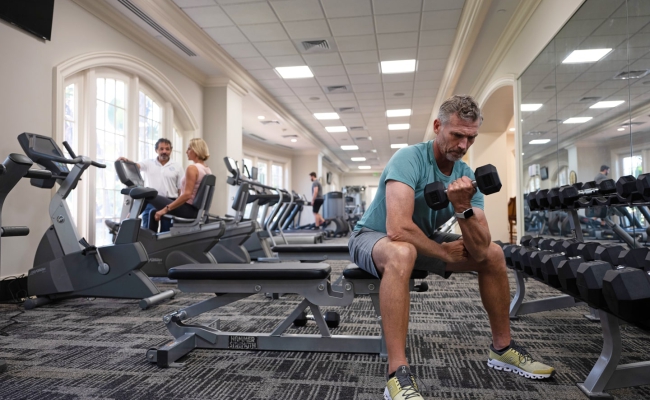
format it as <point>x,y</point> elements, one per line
<point>468,213</point>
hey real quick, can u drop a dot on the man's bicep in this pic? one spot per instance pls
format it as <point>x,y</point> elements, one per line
<point>400,202</point>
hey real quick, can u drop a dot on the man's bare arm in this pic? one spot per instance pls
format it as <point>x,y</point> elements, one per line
<point>476,233</point>
<point>400,203</point>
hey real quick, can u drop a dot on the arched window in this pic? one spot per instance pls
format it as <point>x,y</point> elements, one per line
<point>113,105</point>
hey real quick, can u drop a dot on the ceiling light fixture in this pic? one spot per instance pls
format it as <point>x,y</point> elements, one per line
<point>398,127</point>
<point>397,67</point>
<point>530,107</point>
<point>608,104</point>
<point>364,166</point>
<point>577,120</point>
<point>511,129</point>
<point>585,56</point>
<point>539,141</point>
<point>398,145</point>
<point>336,129</point>
<point>358,159</point>
<point>398,113</point>
<point>261,117</point>
<point>295,72</point>
<point>326,115</point>
<point>294,140</point>
<point>350,147</point>
<point>620,129</point>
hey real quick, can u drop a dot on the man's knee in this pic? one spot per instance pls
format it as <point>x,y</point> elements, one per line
<point>495,259</point>
<point>399,258</point>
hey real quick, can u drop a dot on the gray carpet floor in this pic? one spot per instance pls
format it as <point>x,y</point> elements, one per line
<point>95,349</point>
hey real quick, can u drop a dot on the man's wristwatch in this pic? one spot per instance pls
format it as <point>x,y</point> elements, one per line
<point>465,214</point>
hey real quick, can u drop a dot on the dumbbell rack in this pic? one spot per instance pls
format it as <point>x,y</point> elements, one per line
<point>606,374</point>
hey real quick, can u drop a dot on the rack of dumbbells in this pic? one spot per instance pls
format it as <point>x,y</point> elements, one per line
<point>613,279</point>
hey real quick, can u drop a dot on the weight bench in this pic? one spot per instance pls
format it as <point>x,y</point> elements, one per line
<point>312,252</point>
<point>232,282</point>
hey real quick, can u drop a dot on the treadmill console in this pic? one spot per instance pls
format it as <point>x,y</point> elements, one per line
<point>44,151</point>
<point>129,174</point>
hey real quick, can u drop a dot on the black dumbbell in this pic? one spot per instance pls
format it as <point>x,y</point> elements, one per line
<point>590,275</point>
<point>627,289</point>
<point>487,181</point>
<point>332,319</point>
<point>541,198</point>
<point>567,269</point>
<point>569,194</point>
<point>626,186</point>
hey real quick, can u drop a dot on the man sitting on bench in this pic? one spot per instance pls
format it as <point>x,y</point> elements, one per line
<point>397,234</point>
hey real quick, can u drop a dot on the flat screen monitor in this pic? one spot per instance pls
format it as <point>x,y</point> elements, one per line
<point>254,172</point>
<point>543,173</point>
<point>33,16</point>
<point>129,174</point>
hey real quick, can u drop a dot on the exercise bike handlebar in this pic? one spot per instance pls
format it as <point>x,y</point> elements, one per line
<point>38,174</point>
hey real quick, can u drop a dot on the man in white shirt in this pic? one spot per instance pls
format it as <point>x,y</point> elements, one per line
<point>162,174</point>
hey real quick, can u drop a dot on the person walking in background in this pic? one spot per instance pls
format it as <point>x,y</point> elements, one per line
<point>602,175</point>
<point>316,199</point>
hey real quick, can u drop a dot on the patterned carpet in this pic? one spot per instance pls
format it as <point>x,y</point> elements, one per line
<point>95,349</point>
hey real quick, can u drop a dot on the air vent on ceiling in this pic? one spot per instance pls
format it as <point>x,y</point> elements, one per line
<point>362,138</point>
<point>289,136</point>
<point>535,133</point>
<point>135,10</point>
<point>325,45</point>
<point>257,137</point>
<point>357,128</point>
<point>326,158</point>
<point>337,89</point>
<point>347,109</point>
<point>554,120</point>
<point>632,74</point>
<point>632,123</point>
<point>269,121</point>
<point>284,147</point>
<point>591,98</point>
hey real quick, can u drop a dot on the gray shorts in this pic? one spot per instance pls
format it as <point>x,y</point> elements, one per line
<point>362,242</point>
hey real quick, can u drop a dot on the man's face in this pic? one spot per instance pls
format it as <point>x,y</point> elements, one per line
<point>163,151</point>
<point>606,172</point>
<point>455,137</point>
<point>311,178</point>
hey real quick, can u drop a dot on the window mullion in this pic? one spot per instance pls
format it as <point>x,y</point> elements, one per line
<point>133,116</point>
<point>91,147</point>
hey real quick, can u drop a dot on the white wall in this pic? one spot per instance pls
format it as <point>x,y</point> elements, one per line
<point>369,179</point>
<point>26,79</point>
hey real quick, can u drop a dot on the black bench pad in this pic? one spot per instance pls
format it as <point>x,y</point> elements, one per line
<point>311,248</point>
<point>250,272</point>
<point>352,271</point>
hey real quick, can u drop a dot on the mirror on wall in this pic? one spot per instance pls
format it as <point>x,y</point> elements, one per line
<point>585,105</point>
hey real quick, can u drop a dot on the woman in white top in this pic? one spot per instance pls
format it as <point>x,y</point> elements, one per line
<point>182,206</point>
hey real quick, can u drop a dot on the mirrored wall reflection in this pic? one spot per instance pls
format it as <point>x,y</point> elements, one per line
<point>585,114</point>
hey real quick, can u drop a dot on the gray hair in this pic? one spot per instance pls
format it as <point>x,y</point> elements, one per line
<point>464,106</point>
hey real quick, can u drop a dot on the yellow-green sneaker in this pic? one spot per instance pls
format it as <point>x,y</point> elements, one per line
<point>402,386</point>
<point>516,359</point>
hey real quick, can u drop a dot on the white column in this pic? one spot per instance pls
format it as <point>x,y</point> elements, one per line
<point>222,131</point>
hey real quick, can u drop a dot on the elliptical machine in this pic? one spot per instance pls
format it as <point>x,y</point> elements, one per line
<point>65,264</point>
<point>15,167</point>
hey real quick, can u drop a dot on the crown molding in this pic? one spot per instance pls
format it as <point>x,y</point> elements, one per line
<point>172,18</point>
<point>221,81</point>
<point>469,26</point>
<point>126,27</point>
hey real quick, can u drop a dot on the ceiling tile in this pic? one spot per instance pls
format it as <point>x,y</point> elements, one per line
<point>227,35</point>
<point>431,65</point>
<point>194,3</point>
<point>358,69</point>
<point>352,26</point>
<point>367,87</point>
<point>437,5</point>
<point>398,54</point>
<point>237,1</point>
<point>346,8</point>
<point>264,32</point>
<point>429,75</point>
<point>398,103</point>
<point>398,23</point>
<point>307,98</point>
<point>285,61</point>
<point>301,83</point>
<point>273,83</point>
<point>315,106</point>
<point>433,52</point>
<point>407,94</point>
<point>397,40</point>
<point>356,43</point>
<point>250,13</point>
<point>360,57</point>
<point>279,48</point>
<point>378,109</point>
<point>208,17</point>
<point>264,74</point>
<point>396,7</point>
<point>297,10</point>
<point>322,59</point>
<point>369,95</point>
<point>367,78</point>
<point>332,70</point>
<point>281,92</point>
<point>398,77</point>
<point>314,29</point>
<point>289,99</point>
<point>242,50</point>
<point>371,102</point>
<point>440,37</point>
<point>333,80</point>
<point>397,86</point>
<point>310,91</point>
<point>445,19</point>
<point>341,96</point>
<point>254,63</point>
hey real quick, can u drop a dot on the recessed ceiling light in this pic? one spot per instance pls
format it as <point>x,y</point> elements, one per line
<point>326,115</point>
<point>364,166</point>
<point>294,72</point>
<point>336,129</point>
<point>577,120</point>
<point>294,140</point>
<point>511,129</point>
<point>398,127</point>
<point>398,94</point>
<point>358,159</point>
<point>620,129</point>
<point>398,113</point>
<point>350,147</point>
<point>585,56</point>
<point>397,67</point>
<point>261,117</point>
<point>607,104</point>
<point>530,107</point>
<point>398,145</point>
<point>314,98</point>
<point>373,150</point>
<point>539,141</point>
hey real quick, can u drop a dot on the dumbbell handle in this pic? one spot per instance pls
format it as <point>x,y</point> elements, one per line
<point>473,184</point>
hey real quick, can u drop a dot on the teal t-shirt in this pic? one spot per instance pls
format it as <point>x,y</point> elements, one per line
<point>416,166</point>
